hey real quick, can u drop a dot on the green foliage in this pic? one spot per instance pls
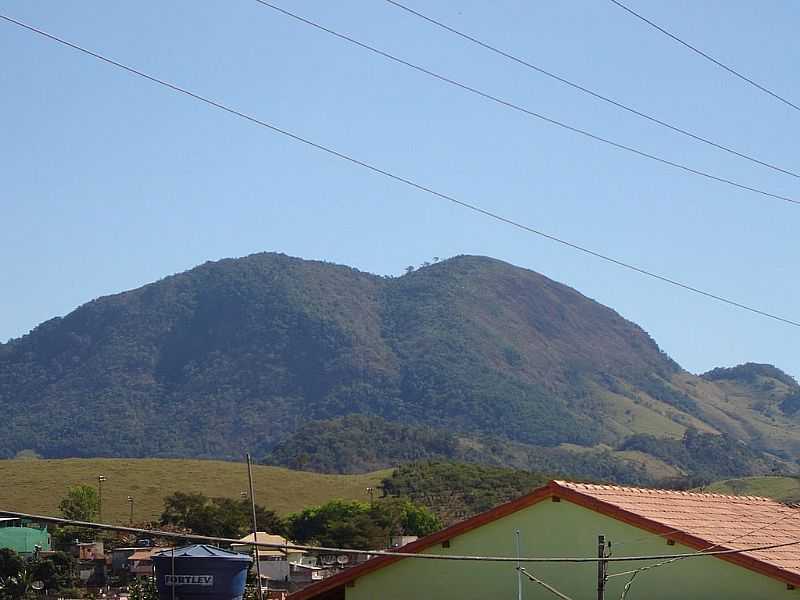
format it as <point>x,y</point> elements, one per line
<point>17,574</point>
<point>245,353</point>
<point>469,345</point>
<point>703,455</point>
<point>353,524</point>
<point>360,443</point>
<point>142,588</point>
<point>55,571</point>
<point>790,405</point>
<point>456,491</point>
<point>81,503</point>
<point>12,584</point>
<point>221,517</point>
<point>749,373</point>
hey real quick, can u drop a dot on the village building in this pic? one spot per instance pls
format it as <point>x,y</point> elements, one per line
<point>282,568</point>
<point>140,561</point>
<point>565,519</point>
<point>24,537</point>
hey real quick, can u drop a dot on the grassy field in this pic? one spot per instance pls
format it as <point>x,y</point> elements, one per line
<point>786,489</point>
<point>36,486</point>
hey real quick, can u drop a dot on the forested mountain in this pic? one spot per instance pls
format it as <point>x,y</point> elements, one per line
<point>248,354</point>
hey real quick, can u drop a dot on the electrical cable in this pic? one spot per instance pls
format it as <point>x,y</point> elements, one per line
<point>708,57</point>
<point>591,92</point>
<point>418,186</point>
<point>526,111</point>
<point>545,585</point>
<point>636,572</point>
<point>390,553</point>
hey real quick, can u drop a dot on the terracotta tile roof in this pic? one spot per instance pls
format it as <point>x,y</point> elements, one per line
<point>697,520</point>
<point>732,522</point>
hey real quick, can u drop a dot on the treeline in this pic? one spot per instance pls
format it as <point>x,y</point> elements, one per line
<point>457,491</point>
<point>361,443</point>
<point>338,523</point>
<point>704,457</point>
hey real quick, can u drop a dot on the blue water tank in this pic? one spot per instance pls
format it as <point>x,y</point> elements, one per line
<point>201,572</point>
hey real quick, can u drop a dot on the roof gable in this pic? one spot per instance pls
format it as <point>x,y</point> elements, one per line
<point>697,520</point>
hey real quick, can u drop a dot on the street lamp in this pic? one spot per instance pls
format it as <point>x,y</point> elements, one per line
<point>130,501</point>
<point>100,480</point>
<point>371,492</point>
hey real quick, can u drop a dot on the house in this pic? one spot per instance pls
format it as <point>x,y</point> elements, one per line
<point>23,537</point>
<point>565,519</point>
<point>120,560</point>
<point>282,568</point>
<point>140,562</point>
<point>91,567</point>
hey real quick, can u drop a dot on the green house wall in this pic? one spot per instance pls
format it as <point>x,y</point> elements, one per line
<point>562,529</point>
<point>23,540</point>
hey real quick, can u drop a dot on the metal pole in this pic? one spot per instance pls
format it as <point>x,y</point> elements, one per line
<point>255,525</point>
<point>601,567</point>
<point>100,480</point>
<point>519,568</point>
<point>130,501</point>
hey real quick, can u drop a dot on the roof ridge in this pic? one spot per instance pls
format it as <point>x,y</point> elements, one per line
<point>577,485</point>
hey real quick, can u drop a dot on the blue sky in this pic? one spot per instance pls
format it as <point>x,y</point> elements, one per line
<point>110,182</point>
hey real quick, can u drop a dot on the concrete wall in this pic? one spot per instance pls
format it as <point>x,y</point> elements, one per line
<point>562,529</point>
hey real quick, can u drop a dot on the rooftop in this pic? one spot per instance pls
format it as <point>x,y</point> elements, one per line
<point>730,522</point>
<point>701,521</point>
<point>269,538</point>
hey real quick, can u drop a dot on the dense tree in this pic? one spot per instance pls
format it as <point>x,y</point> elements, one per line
<point>705,455</point>
<point>143,588</point>
<point>353,524</point>
<point>81,503</point>
<point>221,517</point>
<point>12,584</point>
<point>56,571</point>
<point>17,574</point>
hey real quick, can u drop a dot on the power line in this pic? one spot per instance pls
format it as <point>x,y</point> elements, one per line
<point>409,182</point>
<point>522,109</point>
<point>420,555</point>
<point>636,572</point>
<point>544,584</point>
<point>708,57</point>
<point>591,92</point>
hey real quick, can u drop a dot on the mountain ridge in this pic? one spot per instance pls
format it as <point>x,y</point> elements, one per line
<point>239,354</point>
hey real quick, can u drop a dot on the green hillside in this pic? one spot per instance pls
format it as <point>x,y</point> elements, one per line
<point>248,354</point>
<point>36,486</point>
<point>785,489</point>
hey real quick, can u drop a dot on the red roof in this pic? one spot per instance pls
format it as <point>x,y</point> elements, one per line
<point>697,520</point>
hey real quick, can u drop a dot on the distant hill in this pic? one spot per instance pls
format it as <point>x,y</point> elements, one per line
<point>37,486</point>
<point>255,353</point>
<point>785,489</point>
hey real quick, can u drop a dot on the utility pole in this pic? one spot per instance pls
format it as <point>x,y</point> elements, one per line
<point>255,525</point>
<point>519,567</point>
<point>130,501</point>
<point>100,480</point>
<point>602,567</point>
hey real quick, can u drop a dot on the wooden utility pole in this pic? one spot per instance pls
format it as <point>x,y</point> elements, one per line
<point>602,567</point>
<point>255,525</point>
